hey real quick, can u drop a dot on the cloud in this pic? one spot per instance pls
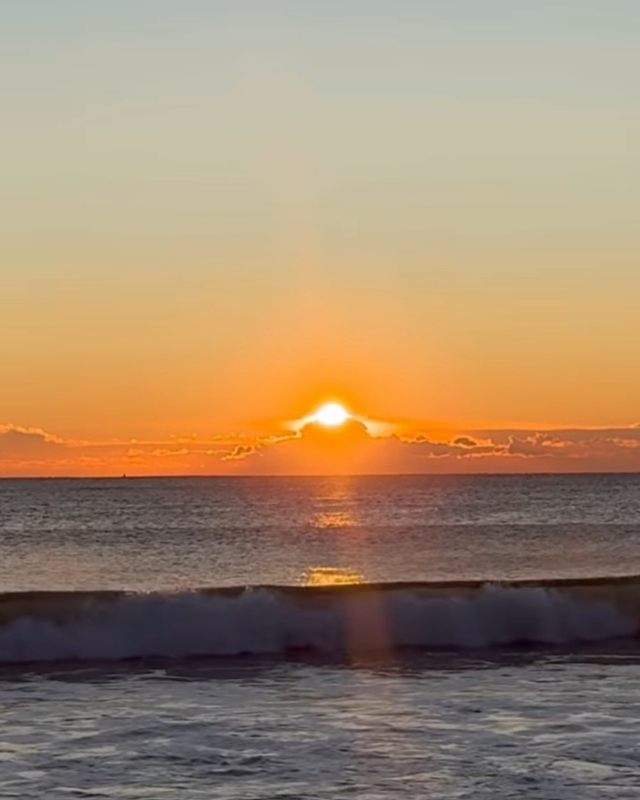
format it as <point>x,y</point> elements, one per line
<point>354,449</point>
<point>460,447</point>
<point>15,439</point>
<point>537,445</point>
<point>465,441</point>
<point>577,444</point>
<point>240,452</point>
<point>350,448</point>
<point>576,435</point>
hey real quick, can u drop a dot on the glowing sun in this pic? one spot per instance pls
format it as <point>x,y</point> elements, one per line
<point>331,415</point>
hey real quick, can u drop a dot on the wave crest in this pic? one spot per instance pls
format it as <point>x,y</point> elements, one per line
<point>265,621</point>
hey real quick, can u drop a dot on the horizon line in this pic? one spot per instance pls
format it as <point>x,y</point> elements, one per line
<point>316,475</point>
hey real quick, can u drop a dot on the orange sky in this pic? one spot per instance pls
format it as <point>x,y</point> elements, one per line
<point>216,216</point>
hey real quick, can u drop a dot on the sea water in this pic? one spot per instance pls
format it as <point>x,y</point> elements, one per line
<point>320,637</point>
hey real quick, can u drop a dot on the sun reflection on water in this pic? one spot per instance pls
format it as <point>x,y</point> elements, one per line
<point>333,519</point>
<point>331,576</point>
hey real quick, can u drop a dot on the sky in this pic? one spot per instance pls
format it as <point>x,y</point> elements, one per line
<point>218,215</point>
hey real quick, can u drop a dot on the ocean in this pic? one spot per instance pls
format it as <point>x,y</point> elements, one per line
<point>360,637</point>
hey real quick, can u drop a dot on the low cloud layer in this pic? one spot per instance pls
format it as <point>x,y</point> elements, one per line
<point>28,451</point>
<point>15,439</point>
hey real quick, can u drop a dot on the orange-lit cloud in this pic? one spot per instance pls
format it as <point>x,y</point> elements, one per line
<point>349,448</point>
<point>21,439</point>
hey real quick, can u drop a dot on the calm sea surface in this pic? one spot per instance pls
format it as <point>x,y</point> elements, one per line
<point>311,692</point>
<point>168,533</point>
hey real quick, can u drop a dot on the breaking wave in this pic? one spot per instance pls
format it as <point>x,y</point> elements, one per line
<point>64,626</point>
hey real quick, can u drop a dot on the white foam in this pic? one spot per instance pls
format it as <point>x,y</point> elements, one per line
<point>265,622</point>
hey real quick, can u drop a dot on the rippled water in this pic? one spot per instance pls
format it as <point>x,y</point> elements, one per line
<point>165,533</point>
<point>526,722</point>
<point>547,728</point>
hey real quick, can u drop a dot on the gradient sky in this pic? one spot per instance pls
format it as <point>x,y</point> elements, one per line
<point>216,214</point>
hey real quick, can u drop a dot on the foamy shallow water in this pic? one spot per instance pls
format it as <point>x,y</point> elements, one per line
<point>437,727</point>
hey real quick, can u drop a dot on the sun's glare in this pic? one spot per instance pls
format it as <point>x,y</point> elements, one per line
<point>331,415</point>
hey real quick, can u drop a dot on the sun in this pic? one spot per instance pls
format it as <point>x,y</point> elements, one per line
<point>331,415</point>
